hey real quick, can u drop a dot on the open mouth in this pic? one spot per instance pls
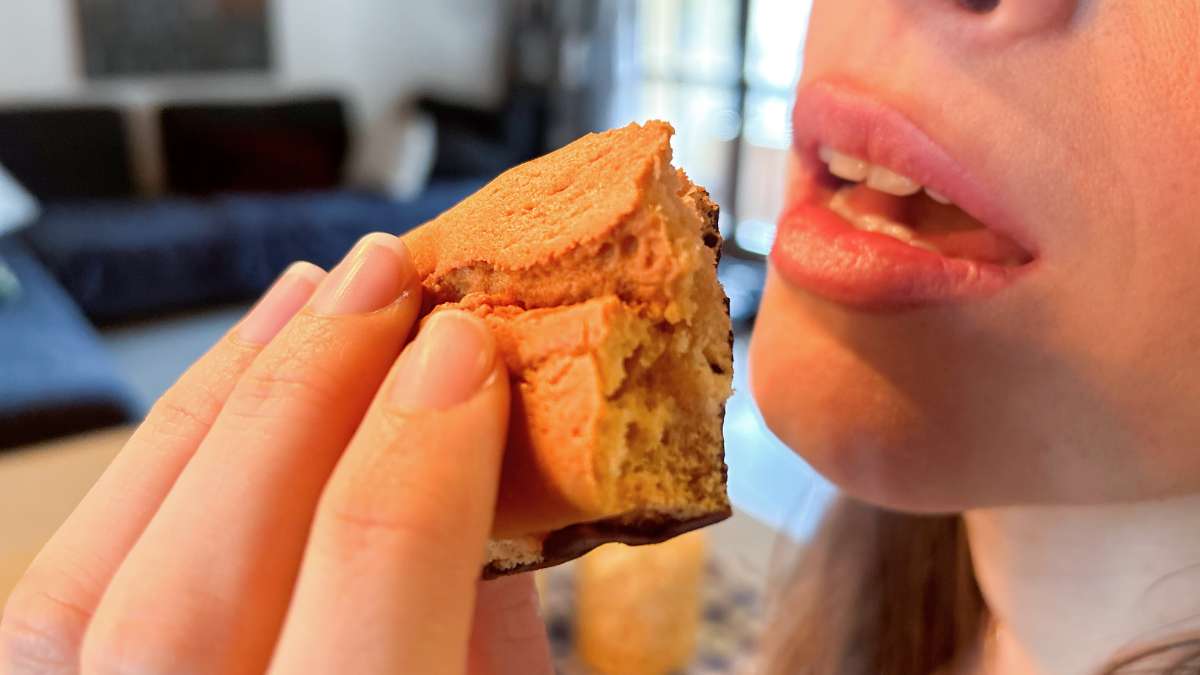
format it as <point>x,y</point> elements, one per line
<point>876,199</point>
<point>880,216</point>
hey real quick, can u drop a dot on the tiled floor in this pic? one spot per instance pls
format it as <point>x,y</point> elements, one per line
<point>766,480</point>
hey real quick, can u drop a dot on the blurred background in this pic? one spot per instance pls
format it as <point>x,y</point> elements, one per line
<point>161,162</point>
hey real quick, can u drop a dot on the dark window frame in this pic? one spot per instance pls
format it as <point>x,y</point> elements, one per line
<point>742,88</point>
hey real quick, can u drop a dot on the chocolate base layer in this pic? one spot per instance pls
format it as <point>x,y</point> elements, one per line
<point>633,529</point>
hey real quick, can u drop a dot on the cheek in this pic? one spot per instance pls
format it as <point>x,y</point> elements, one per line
<point>841,415</point>
<point>915,413</point>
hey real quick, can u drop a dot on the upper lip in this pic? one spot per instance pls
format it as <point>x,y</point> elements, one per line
<point>842,116</point>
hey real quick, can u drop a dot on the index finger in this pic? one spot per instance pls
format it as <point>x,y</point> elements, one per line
<point>46,615</point>
<point>389,576</point>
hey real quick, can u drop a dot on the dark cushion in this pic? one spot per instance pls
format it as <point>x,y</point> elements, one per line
<point>56,377</point>
<point>254,147</point>
<point>125,260</point>
<point>481,142</point>
<point>65,153</point>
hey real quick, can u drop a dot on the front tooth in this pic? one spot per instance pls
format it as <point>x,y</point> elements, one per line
<point>886,180</point>
<point>898,232</point>
<point>880,225</point>
<point>893,230</point>
<point>825,153</point>
<point>937,196</point>
<point>847,167</point>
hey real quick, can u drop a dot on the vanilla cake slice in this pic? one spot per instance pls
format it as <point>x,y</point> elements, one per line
<point>595,267</point>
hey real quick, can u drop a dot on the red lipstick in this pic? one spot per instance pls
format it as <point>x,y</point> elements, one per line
<point>824,252</point>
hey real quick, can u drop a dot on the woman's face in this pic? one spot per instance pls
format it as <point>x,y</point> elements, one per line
<point>1042,343</point>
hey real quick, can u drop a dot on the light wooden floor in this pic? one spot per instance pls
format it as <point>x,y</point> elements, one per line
<point>39,487</point>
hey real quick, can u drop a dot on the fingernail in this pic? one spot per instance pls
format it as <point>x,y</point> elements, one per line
<point>446,365</point>
<point>280,303</point>
<point>372,276</point>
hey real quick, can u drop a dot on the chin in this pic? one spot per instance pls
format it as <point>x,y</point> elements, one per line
<point>863,431</point>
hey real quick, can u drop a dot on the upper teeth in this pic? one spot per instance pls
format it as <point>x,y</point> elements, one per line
<point>937,196</point>
<point>883,179</point>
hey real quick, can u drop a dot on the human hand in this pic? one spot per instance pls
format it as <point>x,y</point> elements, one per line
<point>300,501</point>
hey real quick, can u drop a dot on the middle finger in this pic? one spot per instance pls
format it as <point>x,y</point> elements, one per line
<point>206,587</point>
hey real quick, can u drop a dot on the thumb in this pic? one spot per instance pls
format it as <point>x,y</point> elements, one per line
<point>389,577</point>
<point>508,636</point>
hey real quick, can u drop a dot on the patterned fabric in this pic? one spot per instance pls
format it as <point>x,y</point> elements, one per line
<point>123,259</point>
<point>732,608</point>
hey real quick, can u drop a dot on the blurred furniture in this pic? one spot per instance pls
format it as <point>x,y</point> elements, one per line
<point>17,206</point>
<point>252,186</point>
<point>60,153</point>
<point>473,141</point>
<point>124,260</point>
<point>284,146</point>
<point>55,376</point>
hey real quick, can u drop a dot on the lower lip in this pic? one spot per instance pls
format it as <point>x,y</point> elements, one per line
<point>819,251</point>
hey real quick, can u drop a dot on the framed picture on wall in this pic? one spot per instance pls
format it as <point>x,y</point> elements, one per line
<point>131,38</point>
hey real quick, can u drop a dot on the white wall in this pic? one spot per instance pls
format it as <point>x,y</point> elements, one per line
<point>385,49</point>
<point>37,51</point>
<point>375,51</point>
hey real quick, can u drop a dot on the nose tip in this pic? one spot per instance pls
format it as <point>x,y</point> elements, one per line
<point>1008,20</point>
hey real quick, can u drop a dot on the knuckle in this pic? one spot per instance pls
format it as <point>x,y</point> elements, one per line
<point>40,631</point>
<point>141,640</point>
<point>191,405</point>
<point>284,385</point>
<point>109,653</point>
<point>185,410</point>
<point>136,633</point>
<point>29,648</point>
<point>358,530</point>
<point>410,519</point>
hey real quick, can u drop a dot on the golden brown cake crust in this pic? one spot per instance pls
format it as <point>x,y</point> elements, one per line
<point>570,542</point>
<point>535,212</point>
<point>571,226</point>
<point>577,261</point>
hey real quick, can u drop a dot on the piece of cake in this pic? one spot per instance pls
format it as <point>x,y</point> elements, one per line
<point>595,267</point>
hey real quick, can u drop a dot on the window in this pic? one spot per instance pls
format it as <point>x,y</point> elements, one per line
<point>722,72</point>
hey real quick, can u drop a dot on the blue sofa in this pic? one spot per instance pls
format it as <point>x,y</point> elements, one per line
<point>125,259</point>
<point>255,185</point>
<point>107,261</point>
<point>55,377</point>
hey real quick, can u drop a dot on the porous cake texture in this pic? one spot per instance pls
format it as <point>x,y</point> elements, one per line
<point>595,267</point>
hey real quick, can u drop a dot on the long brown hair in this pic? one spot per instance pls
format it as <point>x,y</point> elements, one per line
<point>862,598</point>
<point>883,593</point>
